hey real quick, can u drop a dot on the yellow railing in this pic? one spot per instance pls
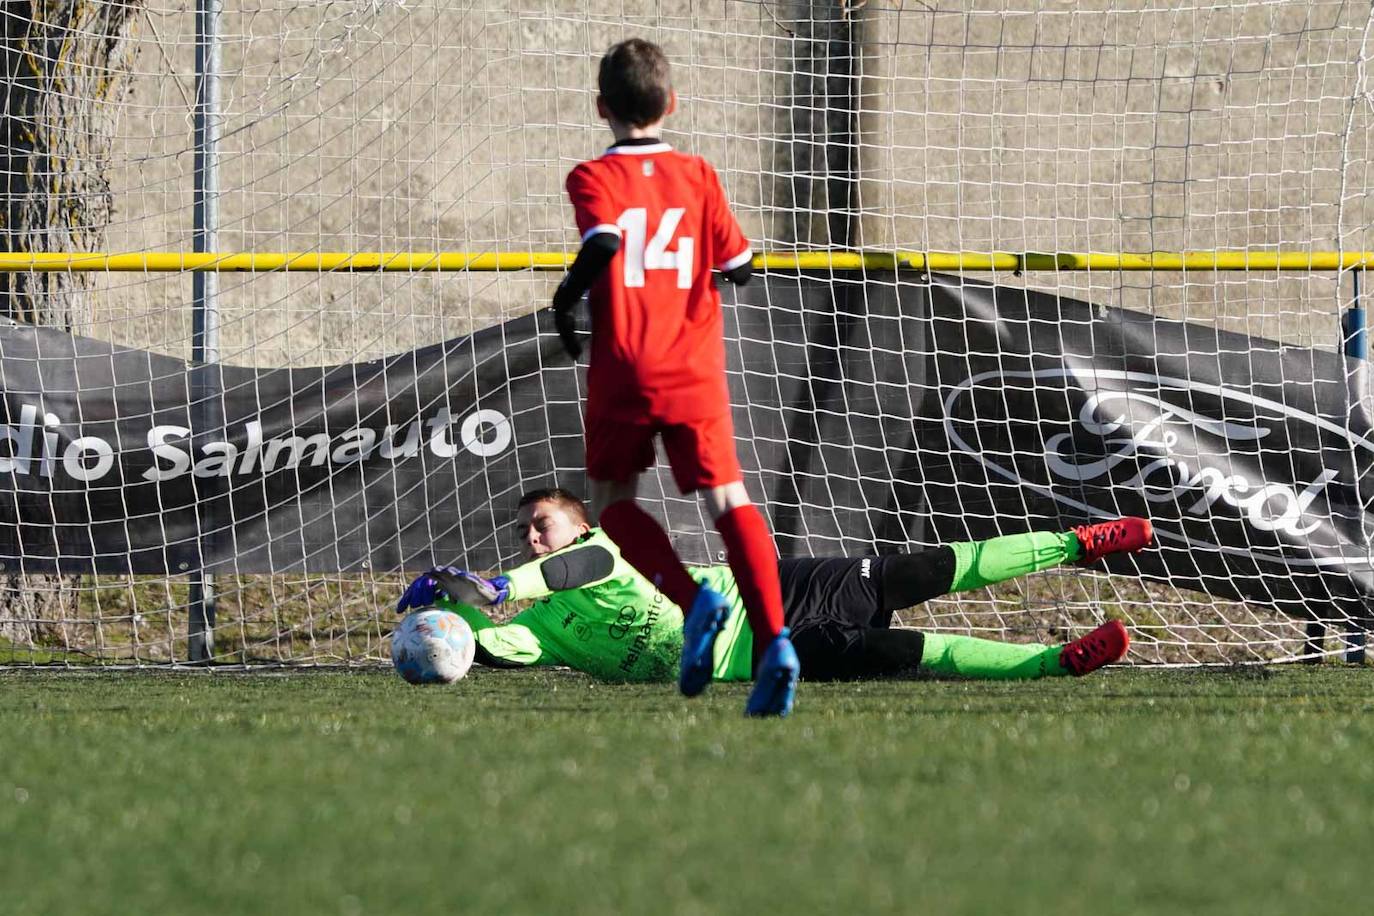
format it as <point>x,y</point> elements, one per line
<point>456,261</point>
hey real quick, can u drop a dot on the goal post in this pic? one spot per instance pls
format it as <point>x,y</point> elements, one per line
<point>391,204</point>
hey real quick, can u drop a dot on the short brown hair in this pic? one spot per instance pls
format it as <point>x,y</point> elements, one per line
<point>633,81</point>
<point>566,500</point>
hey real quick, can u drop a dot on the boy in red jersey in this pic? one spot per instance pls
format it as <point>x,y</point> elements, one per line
<point>654,223</point>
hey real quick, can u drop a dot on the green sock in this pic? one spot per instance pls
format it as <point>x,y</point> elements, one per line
<point>981,563</point>
<point>968,656</point>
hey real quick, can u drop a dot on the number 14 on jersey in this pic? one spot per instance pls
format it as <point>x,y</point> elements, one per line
<point>644,254</point>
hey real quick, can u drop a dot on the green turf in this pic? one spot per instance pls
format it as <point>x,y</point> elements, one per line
<point>1131,791</point>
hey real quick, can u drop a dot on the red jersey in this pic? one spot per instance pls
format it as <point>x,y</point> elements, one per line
<point>658,346</point>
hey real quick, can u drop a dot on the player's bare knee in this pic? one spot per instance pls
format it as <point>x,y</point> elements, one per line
<point>604,493</point>
<point>724,498</point>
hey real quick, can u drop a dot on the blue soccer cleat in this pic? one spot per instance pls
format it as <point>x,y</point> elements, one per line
<point>705,620</point>
<point>775,687</point>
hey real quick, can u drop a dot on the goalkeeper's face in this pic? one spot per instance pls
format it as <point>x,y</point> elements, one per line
<point>546,526</point>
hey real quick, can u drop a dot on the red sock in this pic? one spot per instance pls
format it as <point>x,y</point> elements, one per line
<point>754,561</point>
<point>646,546</point>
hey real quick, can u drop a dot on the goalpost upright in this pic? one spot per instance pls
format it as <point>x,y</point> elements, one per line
<point>200,634</point>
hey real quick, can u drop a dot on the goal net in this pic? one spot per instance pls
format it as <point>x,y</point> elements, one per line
<point>875,127</point>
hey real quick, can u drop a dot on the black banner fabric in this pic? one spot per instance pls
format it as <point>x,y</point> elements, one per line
<point>119,460</point>
<point>874,413</point>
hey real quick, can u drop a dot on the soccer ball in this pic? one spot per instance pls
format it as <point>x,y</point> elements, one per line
<point>432,647</point>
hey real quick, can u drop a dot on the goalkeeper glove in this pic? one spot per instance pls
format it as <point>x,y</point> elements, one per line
<point>457,584</point>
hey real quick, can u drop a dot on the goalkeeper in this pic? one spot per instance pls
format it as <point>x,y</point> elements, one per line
<point>594,613</point>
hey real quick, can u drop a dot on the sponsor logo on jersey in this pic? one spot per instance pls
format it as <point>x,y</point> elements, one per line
<point>620,627</point>
<point>636,647</point>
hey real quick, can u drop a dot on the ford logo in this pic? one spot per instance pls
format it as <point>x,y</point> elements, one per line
<point>1160,447</point>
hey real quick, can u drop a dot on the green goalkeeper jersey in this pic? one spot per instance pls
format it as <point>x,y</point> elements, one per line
<point>617,626</point>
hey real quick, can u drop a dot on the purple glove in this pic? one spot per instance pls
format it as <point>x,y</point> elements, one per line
<point>457,584</point>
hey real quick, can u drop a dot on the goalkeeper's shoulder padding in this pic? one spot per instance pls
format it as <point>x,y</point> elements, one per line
<point>577,567</point>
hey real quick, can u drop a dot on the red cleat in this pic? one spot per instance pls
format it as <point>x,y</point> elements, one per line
<point>1125,535</point>
<point>1107,644</point>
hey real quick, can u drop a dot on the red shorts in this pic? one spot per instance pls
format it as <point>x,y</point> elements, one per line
<point>700,452</point>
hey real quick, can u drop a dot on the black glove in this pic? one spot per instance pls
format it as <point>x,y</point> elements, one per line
<point>565,319</point>
<point>596,253</point>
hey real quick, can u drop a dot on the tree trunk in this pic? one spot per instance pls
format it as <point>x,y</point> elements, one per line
<point>63,66</point>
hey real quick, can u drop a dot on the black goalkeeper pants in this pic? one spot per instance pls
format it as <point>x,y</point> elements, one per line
<point>840,611</point>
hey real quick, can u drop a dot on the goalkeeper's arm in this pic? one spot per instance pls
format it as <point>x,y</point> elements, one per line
<point>517,645</point>
<point>497,646</point>
<point>576,566</point>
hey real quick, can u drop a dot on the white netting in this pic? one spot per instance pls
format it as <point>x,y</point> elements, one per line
<point>440,125</point>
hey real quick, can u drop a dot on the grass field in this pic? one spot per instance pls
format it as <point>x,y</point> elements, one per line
<point>545,792</point>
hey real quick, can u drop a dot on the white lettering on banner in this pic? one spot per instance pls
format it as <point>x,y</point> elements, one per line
<point>472,433</point>
<point>1168,475</point>
<point>27,446</point>
<point>1271,507</point>
<point>157,441</point>
<point>74,461</point>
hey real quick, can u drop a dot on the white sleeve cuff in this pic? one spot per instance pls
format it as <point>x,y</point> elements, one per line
<point>738,260</point>
<point>610,228</point>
